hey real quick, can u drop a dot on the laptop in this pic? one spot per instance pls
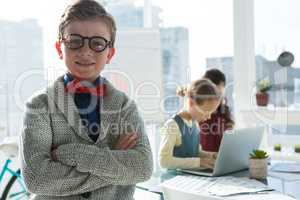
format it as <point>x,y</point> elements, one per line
<point>236,145</point>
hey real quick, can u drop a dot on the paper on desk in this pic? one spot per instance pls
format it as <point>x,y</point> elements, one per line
<point>269,196</point>
<point>222,186</point>
<point>226,186</point>
<point>286,167</point>
<point>156,189</point>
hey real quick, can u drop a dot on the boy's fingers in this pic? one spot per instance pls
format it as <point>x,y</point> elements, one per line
<point>125,140</point>
<point>121,140</point>
<point>53,155</point>
<point>54,147</point>
<point>131,144</point>
<point>118,144</point>
<point>128,137</point>
<point>127,143</point>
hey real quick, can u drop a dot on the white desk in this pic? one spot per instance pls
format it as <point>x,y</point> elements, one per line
<point>179,195</point>
<point>190,191</point>
<point>291,187</point>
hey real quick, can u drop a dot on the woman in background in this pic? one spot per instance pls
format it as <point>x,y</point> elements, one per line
<point>212,130</point>
<point>179,146</point>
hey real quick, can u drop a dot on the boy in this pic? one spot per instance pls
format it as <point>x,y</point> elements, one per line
<point>82,138</point>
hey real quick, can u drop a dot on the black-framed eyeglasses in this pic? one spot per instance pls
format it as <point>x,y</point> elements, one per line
<point>76,41</point>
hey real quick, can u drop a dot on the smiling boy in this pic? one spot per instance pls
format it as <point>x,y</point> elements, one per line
<point>81,137</point>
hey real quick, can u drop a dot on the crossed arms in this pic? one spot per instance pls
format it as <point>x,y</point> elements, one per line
<point>79,167</point>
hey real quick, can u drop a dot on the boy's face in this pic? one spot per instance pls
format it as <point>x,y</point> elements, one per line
<point>85,63</point>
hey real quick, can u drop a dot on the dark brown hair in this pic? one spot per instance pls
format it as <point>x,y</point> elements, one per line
<point>87,10</point>
<point>217,77</point>
<point>200,90</point>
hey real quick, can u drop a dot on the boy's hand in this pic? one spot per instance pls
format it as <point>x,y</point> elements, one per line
<point>126,141</point>
<point>53,153</point>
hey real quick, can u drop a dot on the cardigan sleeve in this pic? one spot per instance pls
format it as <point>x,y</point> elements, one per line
<point>118,167</point>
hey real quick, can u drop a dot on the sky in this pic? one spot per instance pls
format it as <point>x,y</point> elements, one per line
<point>210,25</point>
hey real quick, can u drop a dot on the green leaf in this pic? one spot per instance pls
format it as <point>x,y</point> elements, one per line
<point>258,154</point>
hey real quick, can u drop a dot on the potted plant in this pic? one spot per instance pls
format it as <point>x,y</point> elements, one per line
<point>297,148</point>
<point>277,147</point>
<point>262,97</point>
<point>258,164</point>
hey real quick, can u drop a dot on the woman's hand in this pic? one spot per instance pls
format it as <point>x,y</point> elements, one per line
<point>126,141</point>
<point>208,154</point>
<point>208,159</point>
<point>207,163</point>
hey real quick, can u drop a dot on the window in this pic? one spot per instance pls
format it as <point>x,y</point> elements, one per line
<point>193,36</point>
<point>276,31</point>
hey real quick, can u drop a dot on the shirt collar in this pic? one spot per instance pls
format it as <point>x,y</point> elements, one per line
<point>68,78</point>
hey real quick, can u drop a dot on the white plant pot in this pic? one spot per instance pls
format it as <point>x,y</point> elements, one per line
<point>258,168</point>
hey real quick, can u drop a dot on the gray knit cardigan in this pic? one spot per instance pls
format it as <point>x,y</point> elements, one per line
<point>84,169</point>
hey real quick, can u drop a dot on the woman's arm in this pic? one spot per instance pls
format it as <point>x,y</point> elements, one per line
<point>171,137</point>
